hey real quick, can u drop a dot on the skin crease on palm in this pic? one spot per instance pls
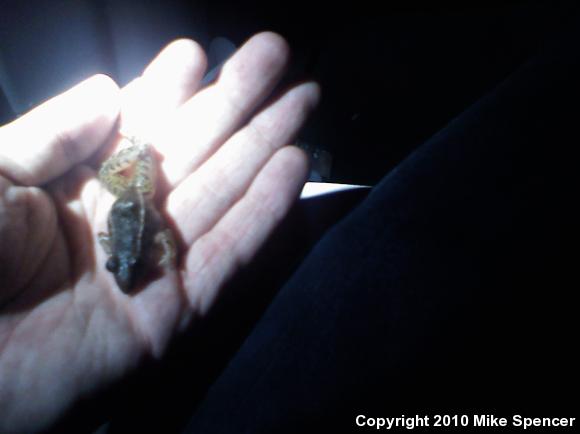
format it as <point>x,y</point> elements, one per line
<point>66,330</point>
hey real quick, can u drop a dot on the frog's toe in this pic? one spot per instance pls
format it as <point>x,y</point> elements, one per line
<point>105,242</point>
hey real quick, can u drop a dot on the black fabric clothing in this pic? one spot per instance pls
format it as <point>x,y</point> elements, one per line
<point>451,288</point>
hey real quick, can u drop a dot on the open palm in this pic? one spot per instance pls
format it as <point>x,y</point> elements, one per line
<point>66,330</point>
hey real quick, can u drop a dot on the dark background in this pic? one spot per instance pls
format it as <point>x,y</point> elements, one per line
<point>391,76</point>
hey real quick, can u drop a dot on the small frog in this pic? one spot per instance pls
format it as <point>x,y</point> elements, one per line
<point>138,237</point>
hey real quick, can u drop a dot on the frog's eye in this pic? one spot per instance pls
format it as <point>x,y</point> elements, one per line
<point>112,264</point>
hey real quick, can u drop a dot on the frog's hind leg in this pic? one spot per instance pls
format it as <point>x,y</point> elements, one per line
<point>111,172</point>
<point>144,175</point>
<point>165,241</point>
<point>137,159</point>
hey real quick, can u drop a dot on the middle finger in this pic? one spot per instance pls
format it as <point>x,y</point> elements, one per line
<point>212,115</point>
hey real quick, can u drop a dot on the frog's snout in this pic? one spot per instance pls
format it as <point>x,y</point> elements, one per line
<point>112,264</point>
<point>125,276</point>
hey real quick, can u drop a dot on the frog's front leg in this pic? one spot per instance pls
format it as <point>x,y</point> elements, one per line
<point>166,243</point>
<point>112,263</point>
<point>105,242</point>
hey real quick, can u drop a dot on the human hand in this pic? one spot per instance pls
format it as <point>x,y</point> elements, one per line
<point>66,330</point>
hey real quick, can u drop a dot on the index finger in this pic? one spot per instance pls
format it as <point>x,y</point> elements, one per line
<point>65,130</point>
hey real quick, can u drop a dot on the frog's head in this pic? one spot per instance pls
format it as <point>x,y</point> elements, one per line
<point>124,271</point>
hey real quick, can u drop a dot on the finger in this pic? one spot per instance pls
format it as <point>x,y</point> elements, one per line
<point>181,64</point>
<point>205,195</point>
<point>169,80</point>
<point>236,238</point>
<point>204,122</point>
<point>60,133</point>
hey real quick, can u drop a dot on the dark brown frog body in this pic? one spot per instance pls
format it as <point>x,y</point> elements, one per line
<point>133,225</point>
